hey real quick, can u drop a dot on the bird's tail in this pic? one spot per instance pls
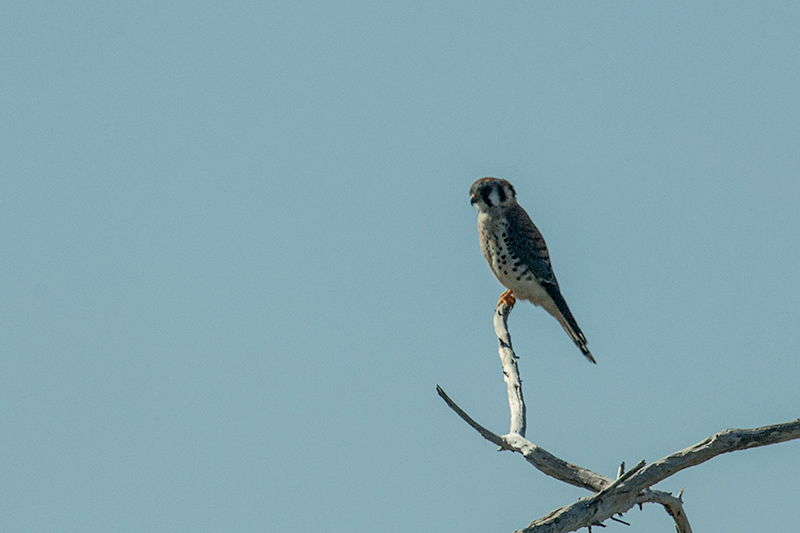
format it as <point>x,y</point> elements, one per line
<point>561,312</point>
<point>571,327</point>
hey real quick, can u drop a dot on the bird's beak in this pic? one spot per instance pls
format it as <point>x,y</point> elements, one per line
<point>472,199</point>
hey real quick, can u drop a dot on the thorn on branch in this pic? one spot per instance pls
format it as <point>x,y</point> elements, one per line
<point>620,521</point>
<point>624,477</point>
<point>621,470</point>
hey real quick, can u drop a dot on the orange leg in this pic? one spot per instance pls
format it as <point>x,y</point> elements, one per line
<point>507,298</point>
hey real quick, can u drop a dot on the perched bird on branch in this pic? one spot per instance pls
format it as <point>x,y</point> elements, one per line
<point>517,254</point>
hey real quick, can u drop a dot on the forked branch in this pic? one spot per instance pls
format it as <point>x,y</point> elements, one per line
<point>611,497</point>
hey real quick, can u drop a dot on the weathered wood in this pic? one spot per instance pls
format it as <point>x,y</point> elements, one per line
<point>611,497</point>
<point>618,499</point>
<point>508,359</point>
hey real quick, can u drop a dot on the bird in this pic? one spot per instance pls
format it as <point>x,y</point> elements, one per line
<point>518,256</point>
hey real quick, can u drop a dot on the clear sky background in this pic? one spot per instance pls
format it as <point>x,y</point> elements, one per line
<point>237,255</point>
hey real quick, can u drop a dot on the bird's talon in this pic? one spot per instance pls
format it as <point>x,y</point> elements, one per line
<point>507,299</point>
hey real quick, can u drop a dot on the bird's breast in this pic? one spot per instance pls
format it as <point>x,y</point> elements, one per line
<point>505,263</point>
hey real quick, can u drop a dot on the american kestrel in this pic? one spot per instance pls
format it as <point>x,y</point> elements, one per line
<point>517,254</point>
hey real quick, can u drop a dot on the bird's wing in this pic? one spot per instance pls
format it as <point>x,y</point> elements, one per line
<point>527,246</point>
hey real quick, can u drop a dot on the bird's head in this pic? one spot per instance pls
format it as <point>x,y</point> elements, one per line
<point>488,193</point>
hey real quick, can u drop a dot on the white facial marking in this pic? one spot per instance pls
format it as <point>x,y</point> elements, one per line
<point>494,197</point>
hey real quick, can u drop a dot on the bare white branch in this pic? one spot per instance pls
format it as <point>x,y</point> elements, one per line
<point>611,497</point>
<point>729,440</point>
<point>621,497</point>
<point>510,370</point>
<point>672,504</point>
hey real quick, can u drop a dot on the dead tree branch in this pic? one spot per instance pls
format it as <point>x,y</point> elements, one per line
<point>510,370</point>
<point>611,497</point>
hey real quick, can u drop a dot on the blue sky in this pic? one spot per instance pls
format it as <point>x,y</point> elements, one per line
<point>238,255</point>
